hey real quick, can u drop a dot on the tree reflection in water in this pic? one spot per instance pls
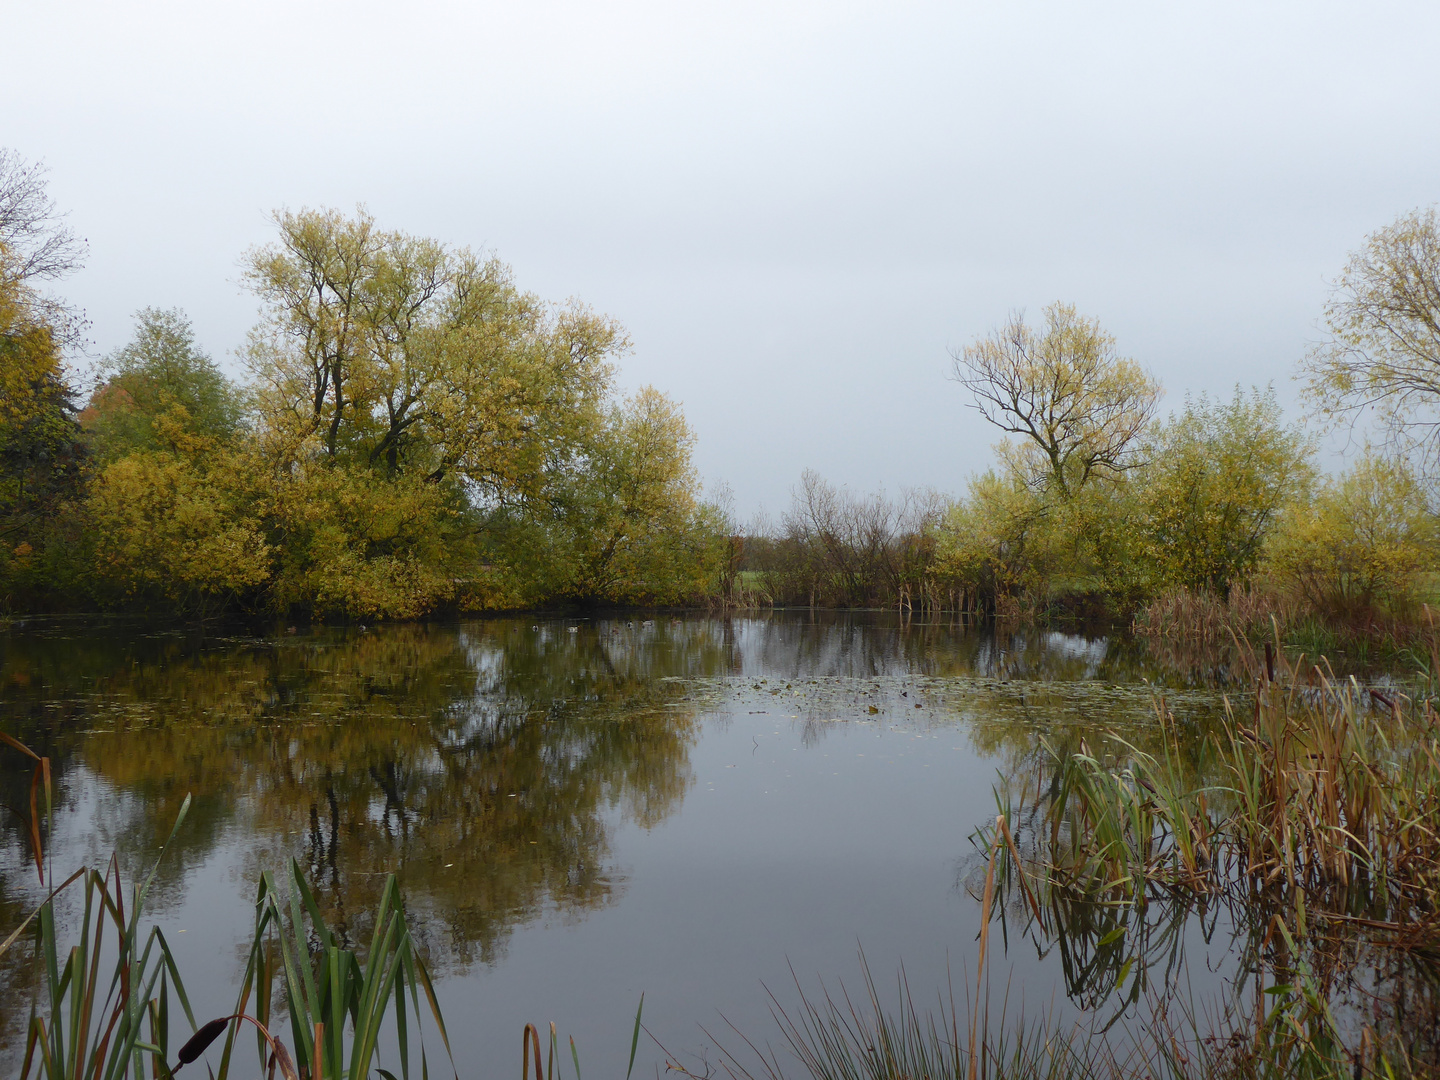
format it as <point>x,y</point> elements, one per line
<point>491,763</point>
<point>481,763</point>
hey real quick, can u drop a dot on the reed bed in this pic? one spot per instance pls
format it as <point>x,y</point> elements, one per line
<point>1202,620</point>
<point>1312,817</point>
<point>1319,785</point>
<point>833,1037</point>
<point>1208,618</point>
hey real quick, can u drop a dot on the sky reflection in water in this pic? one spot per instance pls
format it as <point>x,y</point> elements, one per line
<point>685,807</point>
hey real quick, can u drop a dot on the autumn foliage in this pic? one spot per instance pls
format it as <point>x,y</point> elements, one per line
<point>416,435</point>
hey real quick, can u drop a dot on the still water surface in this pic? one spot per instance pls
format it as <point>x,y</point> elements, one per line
<point>691,808</point>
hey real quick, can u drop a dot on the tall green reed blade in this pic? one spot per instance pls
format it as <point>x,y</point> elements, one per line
<point>80,1035</point>
<point>634,1041</point>
<point>333,996</point>
<point>257,976</point>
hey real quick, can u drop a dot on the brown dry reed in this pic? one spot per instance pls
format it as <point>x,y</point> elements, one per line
<point>1205,617</point>
<point>1320,785</point>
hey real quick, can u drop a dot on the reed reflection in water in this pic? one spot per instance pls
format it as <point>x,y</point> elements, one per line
<point>732,792</point>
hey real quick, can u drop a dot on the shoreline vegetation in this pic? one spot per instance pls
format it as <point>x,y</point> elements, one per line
<point>416,436</point>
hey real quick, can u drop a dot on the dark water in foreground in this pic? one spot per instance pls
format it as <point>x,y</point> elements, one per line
<point>689,808</point>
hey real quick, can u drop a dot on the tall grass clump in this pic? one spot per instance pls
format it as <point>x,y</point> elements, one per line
<point>108,996</point>
<point>1316,784</point>
<point>106,1003</point>
<point>1311,817</point>
<point>1206,617</point>
<point>335,1002</point>
<point>834,1036</point>
<point>104,1007</point>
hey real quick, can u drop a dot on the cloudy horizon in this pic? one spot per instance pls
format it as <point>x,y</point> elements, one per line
<point>797,210</point>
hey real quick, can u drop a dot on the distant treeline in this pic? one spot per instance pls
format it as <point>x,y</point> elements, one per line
<point>417,435</point>
<point>1213,518</point>
<point>1219,501</point>
<point>834,548</point>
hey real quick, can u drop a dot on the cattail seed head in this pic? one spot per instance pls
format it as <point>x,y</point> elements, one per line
<point>200,1040</point>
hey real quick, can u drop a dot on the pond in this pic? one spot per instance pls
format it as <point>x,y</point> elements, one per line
<point>582,810</point>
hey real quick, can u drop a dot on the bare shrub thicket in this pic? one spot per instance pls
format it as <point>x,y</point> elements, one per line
<point>837,548</point>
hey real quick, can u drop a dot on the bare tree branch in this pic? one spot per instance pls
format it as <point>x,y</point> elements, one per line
<point>1064,391</point>
<point>1382,353</point>
<point>35,243</point>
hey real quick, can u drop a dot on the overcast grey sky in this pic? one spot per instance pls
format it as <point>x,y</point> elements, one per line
<point>797,209</point>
